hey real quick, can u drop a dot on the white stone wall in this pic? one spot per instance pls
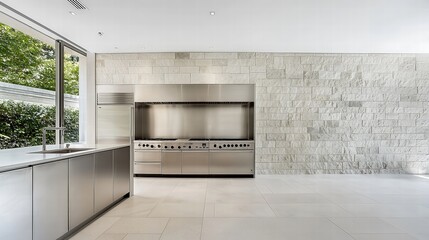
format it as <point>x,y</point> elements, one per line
<point>316,113</point>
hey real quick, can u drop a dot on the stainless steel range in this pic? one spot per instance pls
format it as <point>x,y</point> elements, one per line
<point>194,129</point>
<point>189,156</point>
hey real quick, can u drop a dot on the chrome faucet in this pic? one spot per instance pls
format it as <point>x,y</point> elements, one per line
<point>44,135</point>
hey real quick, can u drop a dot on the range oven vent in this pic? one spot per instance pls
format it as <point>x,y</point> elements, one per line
<point>77,4</point>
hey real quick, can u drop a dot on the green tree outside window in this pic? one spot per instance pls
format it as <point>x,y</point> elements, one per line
<point>27,61</point>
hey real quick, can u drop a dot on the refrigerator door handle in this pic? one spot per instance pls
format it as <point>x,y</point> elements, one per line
<point>132,127</point>
<point>132,137</point>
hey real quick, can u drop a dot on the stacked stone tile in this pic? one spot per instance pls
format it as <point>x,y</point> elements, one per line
<point>315,113</point>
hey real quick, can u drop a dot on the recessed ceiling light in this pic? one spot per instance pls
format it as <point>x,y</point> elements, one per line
<point>72,13</point>
<point>212,13</point>
<point>116,47</point>
<point>100,34</point>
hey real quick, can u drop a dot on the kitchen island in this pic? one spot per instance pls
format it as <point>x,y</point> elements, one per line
<point>51,196</point>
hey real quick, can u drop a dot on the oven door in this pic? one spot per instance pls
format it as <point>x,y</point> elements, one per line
<point>232,162</point>
<point>195,162</point>
<point>171,162</point>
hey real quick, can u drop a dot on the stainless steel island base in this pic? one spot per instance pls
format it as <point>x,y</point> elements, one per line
<point>55,199</point>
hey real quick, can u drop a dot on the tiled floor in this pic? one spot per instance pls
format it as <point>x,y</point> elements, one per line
<point>304,207</point>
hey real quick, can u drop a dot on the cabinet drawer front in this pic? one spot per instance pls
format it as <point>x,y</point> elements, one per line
<point>147,168</point>
<point>147,156</point>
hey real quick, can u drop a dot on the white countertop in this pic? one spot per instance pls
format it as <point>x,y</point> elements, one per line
<point>15,158</point>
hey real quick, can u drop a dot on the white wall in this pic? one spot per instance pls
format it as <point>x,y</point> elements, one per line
<point>90,100</point>
<point>315,113</point>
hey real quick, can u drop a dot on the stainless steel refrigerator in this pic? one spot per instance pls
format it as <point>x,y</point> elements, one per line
<point>115,122</point>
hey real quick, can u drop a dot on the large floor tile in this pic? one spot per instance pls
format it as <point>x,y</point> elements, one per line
<point>209,210</point>
<point>178,210</point>
<point>196,196</point>
<point>142,236</point>
<point>288,198</point>
<point>386,210</point>
<point>96,229</point>
<point>112,236</point>
<point>382,236</point>
<point>419,226</point>
<point>365,225</point>
<point>191,185</point>
<point>138,225</point>
<point>183,229</point>
<point>365,207</point>
<point>420,236</point>
<point>218,197</point>
<point>271,228</point>
<point>282,187</point>
<point>348,198</point>
<point>243,210</point>
<point>232,189</point>
<point>132,207</point>
<point>419,199</point>
<point>309,210</point>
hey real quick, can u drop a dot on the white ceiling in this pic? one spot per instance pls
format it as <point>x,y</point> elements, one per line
<point>239,25</point>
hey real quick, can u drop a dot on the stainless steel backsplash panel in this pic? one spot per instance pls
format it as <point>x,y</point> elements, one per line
<point>228,121</point>
<point>194,120</point>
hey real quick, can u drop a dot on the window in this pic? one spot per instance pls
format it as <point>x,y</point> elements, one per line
<point>74,70</point>
<point>28,87</point>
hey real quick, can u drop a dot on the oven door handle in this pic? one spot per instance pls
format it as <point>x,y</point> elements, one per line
<point>172,151</point>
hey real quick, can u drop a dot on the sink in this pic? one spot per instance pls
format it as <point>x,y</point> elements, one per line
<point>63,150</point>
